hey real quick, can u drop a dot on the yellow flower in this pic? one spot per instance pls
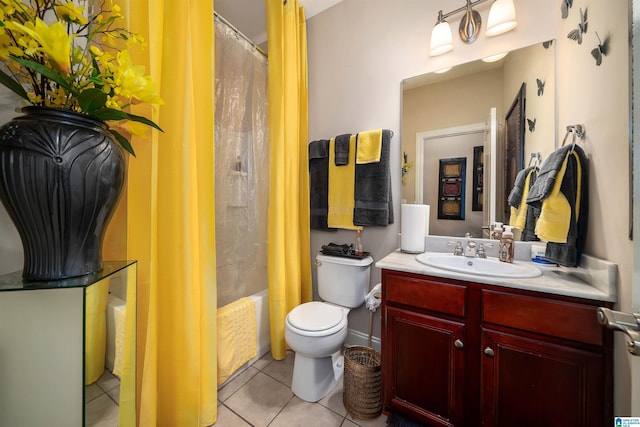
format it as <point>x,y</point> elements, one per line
<point>131,82</point>
<point>57,96</point>
<point>35,99</point>
<point>54,42</point>
<point>70,13</point>
<point>96,50</point>
<point>7,48</point>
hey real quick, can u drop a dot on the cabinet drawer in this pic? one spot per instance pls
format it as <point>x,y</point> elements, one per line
<point>425,293</point>
<point>576,322</point>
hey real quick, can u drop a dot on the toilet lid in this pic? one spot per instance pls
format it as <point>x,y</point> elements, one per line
<point>315,316</point>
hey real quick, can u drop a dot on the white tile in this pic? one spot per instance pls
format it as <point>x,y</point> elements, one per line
<point>380,421</point>
<point>108,381</point>
<point>299,413</point>
<point>232,386</point>
<point>101,412</point>
<point>259,400</point>
<point>334,400</point>
<point>226,418</point>
<point>281,370</point>
<point>92,391</point>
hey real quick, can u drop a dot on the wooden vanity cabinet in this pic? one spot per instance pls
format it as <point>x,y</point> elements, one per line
<point>466,354</point>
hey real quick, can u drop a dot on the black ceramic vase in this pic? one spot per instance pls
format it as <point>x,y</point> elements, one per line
<point>61,174</point>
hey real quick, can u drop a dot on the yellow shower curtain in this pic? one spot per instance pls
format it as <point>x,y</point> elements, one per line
<point>289,264</point>
<point>170,220</point>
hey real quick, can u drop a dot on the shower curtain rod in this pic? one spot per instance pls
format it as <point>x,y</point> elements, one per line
<point>240,34</point>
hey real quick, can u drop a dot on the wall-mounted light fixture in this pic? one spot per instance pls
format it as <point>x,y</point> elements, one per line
<point>502,18</point>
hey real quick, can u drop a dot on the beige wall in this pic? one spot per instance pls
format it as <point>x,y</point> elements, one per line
<point>361,50</point>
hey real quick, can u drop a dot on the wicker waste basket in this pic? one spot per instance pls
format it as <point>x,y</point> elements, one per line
<point>362,382</point>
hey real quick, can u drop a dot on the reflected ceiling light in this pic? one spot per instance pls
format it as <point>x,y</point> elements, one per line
<point>502,18</point>
<point>495,58</point>
<point>442,70</point>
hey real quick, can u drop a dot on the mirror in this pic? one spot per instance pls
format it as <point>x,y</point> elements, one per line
<point>447,116</point>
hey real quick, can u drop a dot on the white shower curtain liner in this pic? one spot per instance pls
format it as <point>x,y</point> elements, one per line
<point>242,165</point>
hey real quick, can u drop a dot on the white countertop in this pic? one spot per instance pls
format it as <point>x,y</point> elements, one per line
<point>595,279</point>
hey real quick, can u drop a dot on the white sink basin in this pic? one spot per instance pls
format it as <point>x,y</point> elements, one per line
<point>480,266</point>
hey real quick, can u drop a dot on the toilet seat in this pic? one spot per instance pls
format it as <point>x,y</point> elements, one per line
<point>316,319</point>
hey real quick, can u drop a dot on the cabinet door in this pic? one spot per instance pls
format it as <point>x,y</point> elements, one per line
<point>528,382</point>
<point>423,366</point>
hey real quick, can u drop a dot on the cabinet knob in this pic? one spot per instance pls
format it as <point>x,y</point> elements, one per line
<point>489,352</point>
<point>459,344</point>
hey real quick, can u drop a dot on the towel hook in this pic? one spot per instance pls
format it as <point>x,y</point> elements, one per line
<point>575,131</point>
<point>536,159</point>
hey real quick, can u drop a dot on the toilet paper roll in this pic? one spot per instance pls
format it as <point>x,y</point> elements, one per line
<point>414,225</point>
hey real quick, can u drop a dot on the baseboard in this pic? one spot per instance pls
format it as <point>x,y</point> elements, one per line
<point>358,338</point>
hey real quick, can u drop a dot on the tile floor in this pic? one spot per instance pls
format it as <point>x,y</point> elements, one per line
<point>101,401</point>
<point>260,396</point>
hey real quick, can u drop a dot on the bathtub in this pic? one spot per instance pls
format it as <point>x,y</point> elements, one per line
<point>263,337</point>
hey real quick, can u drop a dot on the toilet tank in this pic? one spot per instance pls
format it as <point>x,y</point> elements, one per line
<point>343,281</point>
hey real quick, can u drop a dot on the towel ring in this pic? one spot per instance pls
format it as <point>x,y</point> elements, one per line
<point>576,131</point>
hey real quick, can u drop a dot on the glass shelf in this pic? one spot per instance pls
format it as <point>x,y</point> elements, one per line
<point>14,282</point>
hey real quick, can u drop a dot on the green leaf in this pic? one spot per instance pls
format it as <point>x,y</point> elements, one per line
<point>91,100</point>
<point>47,72</point>
<point>10,83</point>
<point>124,142</point>
<point>109,114</point>
<point>144,120</point>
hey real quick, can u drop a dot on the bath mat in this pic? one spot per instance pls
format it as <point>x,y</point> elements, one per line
<point>399,420</point>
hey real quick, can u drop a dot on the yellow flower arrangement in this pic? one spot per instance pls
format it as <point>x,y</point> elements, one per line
<point>65,55</point>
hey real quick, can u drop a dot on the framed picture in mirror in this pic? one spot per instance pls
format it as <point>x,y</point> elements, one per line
<point>514,143</point>
<point>451,188</point>
<point>478,178</point>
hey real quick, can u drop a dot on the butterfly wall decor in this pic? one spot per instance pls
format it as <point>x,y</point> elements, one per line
<point>577,34</point>
<point>532,124</point>
<point>547,44</point>
<point>565,6</point>
<point>601,49</point>
<point>540,87</point>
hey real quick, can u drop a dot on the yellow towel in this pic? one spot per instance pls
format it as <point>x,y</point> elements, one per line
<point>236,336</point>
<point>95,330</point>
<point>555,214</point>
<point>121,323</point>
<point>342,189</point>
<point>519,216</point>
<point>369,146</point>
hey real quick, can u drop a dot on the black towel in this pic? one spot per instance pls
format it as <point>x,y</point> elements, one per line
<point>319,184</point>
<point>515,199</point>
<point>342,149</point>
<point>568,254</point>
<point>515,196</point>
<point>373,201</point>
<point>547,176</point>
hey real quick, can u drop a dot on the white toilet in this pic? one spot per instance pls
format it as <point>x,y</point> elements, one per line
<point>316,330</point>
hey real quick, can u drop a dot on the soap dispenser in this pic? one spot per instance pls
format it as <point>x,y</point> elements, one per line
<point>505,254</point>
<point>496,234</point>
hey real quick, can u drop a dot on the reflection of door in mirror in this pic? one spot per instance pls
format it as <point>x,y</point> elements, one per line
<point>451,214</point>
<point>514,144</point>
<point>493,159</point>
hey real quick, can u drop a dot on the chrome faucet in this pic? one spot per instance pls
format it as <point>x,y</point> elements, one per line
<point>471,249</point>
<point>481,252</point>
<point>457,250</point>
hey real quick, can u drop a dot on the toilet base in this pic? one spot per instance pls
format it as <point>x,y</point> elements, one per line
<point>314,378</point>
